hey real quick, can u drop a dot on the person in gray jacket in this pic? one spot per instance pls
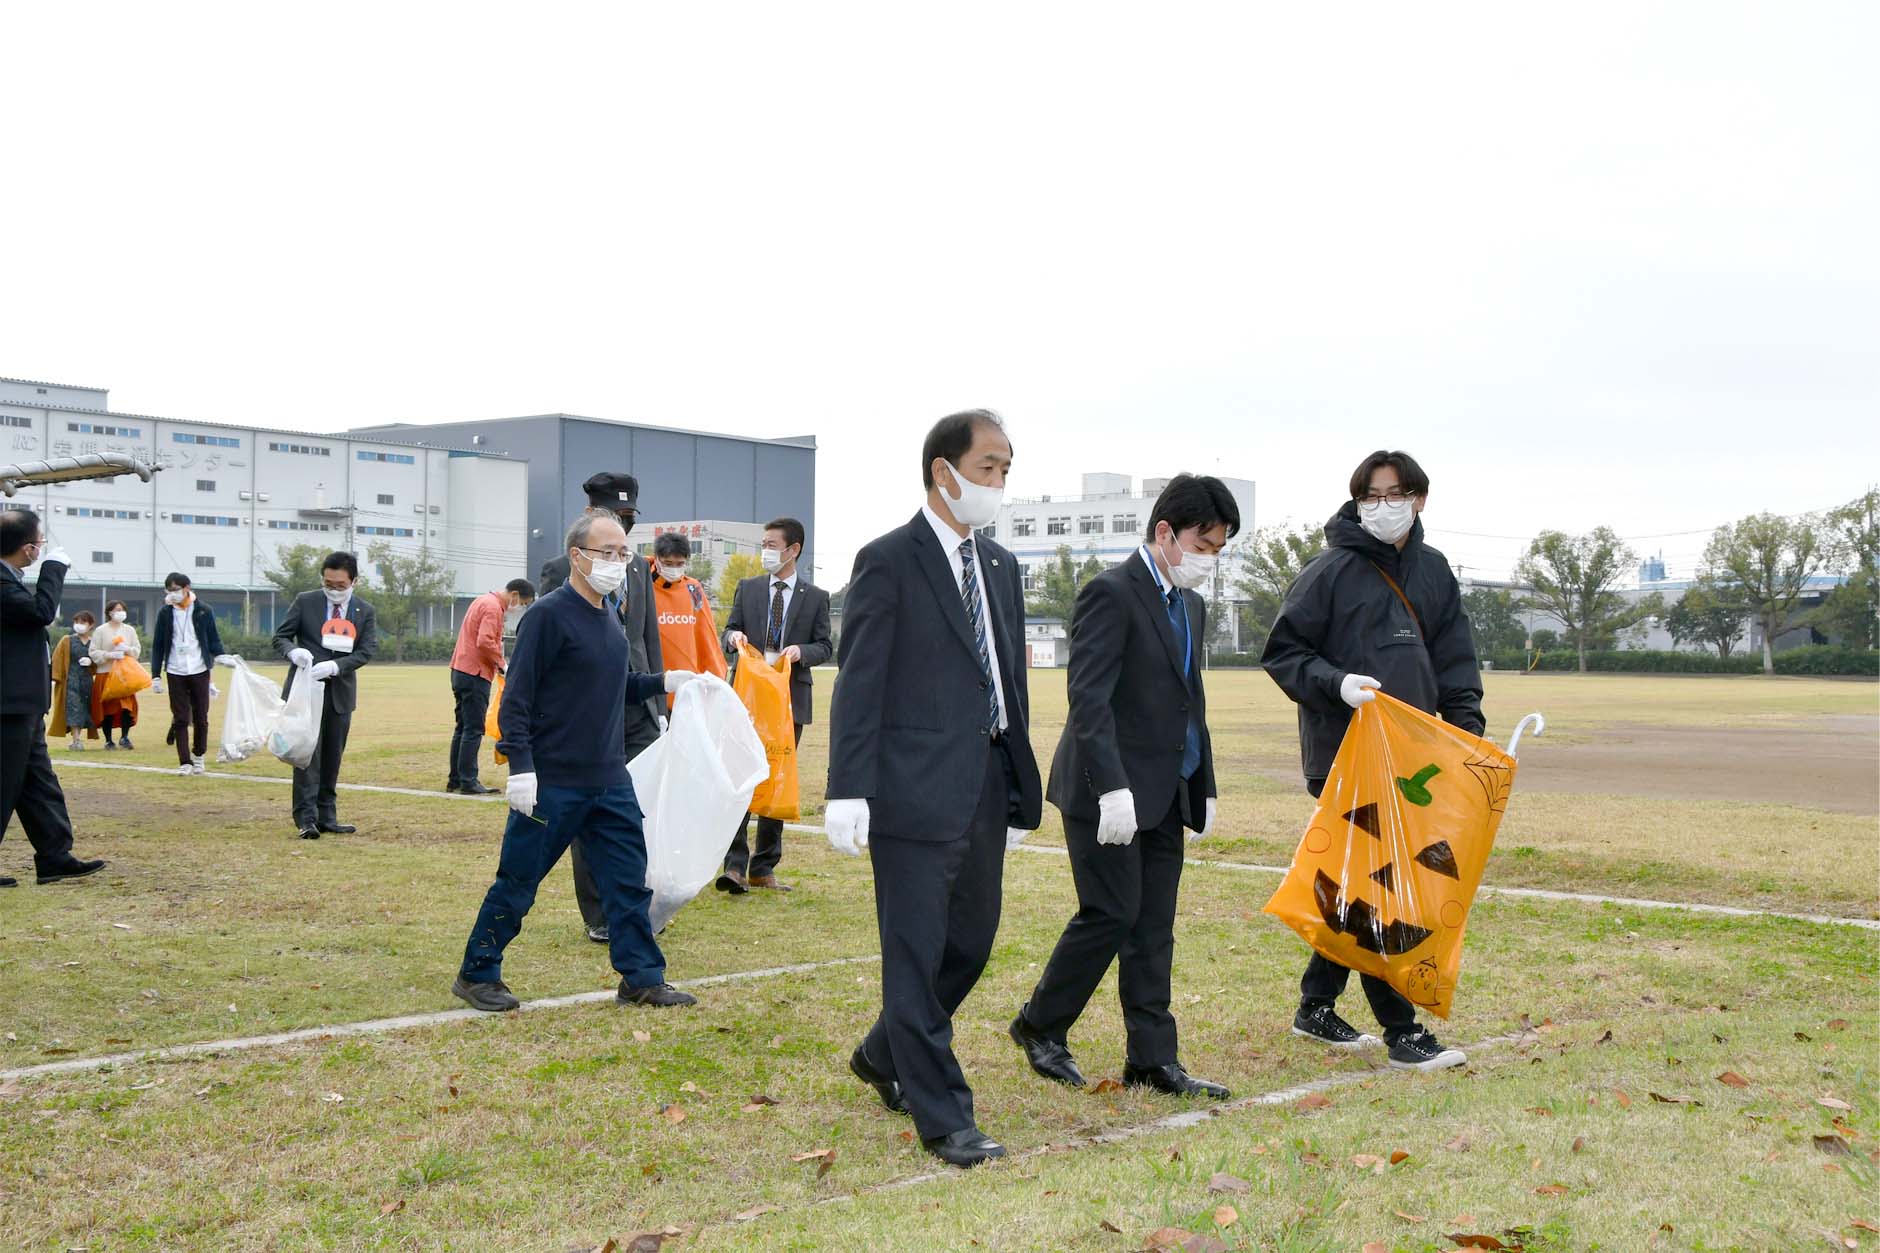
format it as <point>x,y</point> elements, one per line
<point>1377,610</point>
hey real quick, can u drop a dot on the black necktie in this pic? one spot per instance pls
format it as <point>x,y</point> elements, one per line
<point>775,634</point>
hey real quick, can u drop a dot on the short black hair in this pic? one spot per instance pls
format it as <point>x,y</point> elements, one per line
<point>118,604</point>
<point>341,561</point>
<point>521,587</point>
<point>18,528</point>
<point>1195,500</point>
<point>85,615</point>
<point>672,544</point>
<point>791,528</point>
<point>952,438</point>
<point>1409,474</point>
<point>176,578</point>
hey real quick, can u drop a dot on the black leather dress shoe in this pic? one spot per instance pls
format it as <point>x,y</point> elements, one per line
<point>888,1089</point>
<point>338,828</point>
<point>8,881</point>
<point>1049,1058</point>
<point>476,788</point>
<point>1173,1080</point>
<point>74,869</point>
<point>309,833</point>
<point>965,1148</point>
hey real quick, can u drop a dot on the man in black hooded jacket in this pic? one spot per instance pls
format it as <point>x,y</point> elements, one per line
<point>1378,609</point>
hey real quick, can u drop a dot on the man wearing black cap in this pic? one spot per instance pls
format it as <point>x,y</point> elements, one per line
<point>619,494</point>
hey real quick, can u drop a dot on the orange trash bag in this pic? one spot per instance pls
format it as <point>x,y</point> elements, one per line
<point>125,680</point>
<point>490,726</point>
<point>765,691</point>
<point>1387,871</point>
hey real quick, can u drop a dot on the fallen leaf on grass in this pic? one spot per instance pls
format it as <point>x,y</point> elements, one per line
<point>758,1101</point>
<point>1803,1036</point>
<point>1398,1157</point>
<point>1731,1079</point>
<point>1662,1099</point>
<point>1864,1225</point>
<point>745,1216</point>
<point>824,1157</point>
<point>643,1036</point>
<point>1411,1218</point>
<point>334,1098</point>
<point>1106,1086</point>
<point>1225,1216</point>
<point>1223,1182</point>
<point>1541,1110</point>
<point>1186,1241</point>
<point>1606,1038</point>
<point>55,1052</point>
<point>649,1241</point>
<point>1579,1142</point>
<point>1375,1246</point>
<point>391,1207</point>
<point>1109,1226</point>
<point>1313,1100</point>
<point>1461,1144</point>
<point>1833,1146</point>
<point>1625,1102</point>
<point>908,1136</point>
<point>1831,1102</point>
<point>1551,1189</point>
<point>1837,1024</point>
<point>673,1113</point>
<point>1476,1241</point>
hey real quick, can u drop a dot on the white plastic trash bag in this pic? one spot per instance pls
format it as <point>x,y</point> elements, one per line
<point>694,784</point>
<point>296,733</point>
<point>254,706</point>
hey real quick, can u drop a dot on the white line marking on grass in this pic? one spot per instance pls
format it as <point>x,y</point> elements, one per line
<point>379,1026</point>
<point>278,779</point>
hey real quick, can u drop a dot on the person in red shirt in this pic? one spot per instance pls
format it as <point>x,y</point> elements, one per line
<point>474,665</point>
<point>688,634</point>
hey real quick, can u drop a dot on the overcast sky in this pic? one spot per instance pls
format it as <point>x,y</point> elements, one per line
<point>1600,264</point>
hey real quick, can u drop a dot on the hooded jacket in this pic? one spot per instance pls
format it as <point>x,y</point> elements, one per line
<point>1342,617</point>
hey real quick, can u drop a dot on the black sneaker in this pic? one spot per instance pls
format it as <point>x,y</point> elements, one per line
<point>491,998</point>
<point>1419,1050</point>
<point>1322,1023</point>
<point>661,994</point>
<point>599,934</point>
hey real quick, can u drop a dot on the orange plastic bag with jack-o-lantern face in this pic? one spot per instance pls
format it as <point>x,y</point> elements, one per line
<point>1387,871</point>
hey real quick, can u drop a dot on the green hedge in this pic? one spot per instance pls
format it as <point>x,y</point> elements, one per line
<point>1809,659</point>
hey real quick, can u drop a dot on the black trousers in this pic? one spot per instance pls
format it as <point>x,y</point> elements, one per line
<point>472,695</point>
<point>29,788</point>
<point>937,909</point>
<point>316,787</point>
<point>1324,981</point>
<point>641,732</point>
<point>1125,909</point>
<point>769,842</point>
<point>189,713</point>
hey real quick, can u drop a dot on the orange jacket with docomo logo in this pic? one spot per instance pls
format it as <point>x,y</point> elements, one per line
<point>688,634</point>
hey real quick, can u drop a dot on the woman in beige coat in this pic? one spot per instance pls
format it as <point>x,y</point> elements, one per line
<point>111,643</point>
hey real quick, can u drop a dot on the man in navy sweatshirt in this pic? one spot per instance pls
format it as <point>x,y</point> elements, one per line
<point>563,722</point>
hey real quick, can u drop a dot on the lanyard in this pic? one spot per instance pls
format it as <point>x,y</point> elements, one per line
<point>1188,628</point>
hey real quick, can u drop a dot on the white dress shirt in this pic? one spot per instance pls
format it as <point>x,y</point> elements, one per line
<point>950,541</point>
<point>185,648</point>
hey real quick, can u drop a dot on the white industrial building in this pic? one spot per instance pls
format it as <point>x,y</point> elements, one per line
<point>229,497</point>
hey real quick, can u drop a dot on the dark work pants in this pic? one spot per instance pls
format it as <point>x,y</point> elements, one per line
<point>472,694</point>
<point>937,909</point>
<point>641,732</point>
<point>29,788</point>
<point>189,714</point>
<point>769,852</point>
<point>1125,908</point>
<point>1325,980</point>
<point>607,822</point>
<point>316,788</point>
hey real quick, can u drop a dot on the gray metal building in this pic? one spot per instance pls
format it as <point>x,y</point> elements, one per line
<point>685,476</point>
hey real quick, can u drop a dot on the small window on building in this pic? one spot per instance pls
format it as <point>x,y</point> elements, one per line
<point>384,499</point>
<point>1022,527</point>
<point>1123,524</point>
<point>100,558</point>
<point>205,563</point>
<point>1090,526</point>
<point>1057,526</point>
<point>205,485</point>
<point>13,419</point>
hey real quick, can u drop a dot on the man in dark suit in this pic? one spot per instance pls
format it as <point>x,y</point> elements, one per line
<point>1134,768</point>
<point>27,784</point>
<point>931,768</point>
<point>790,617</point>
<point>632,604</point>
<point>327,635</point>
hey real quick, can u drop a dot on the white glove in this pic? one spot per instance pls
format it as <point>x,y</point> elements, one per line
<point>300,657</point>
<point>1116,817</point>
<point>1207,824</point>
<point>1014,836</point>
<point>1357,689</point>
<point>676,679</point>
<point>156,687</point>
<point>324,670</point>
<point>847,824</point>
<point>59,555</point>
<point>522,794</point>
<point>116,654</point>
<point>734,640</point>
<point>663,724</point>
<point>84,661</point>
<point>214,691</point>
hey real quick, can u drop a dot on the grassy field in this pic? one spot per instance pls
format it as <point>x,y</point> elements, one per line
<point>561,1128</point>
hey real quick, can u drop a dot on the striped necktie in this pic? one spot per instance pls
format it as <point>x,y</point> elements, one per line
<point>975,614</point>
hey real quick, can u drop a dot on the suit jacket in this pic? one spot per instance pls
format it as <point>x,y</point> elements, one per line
<point>207,637</point>
<point>805,624</point>
<point>907,721</point>
<point>1130,700</point>
<point>639,618</point>
<point>301,629</point>
<point>25,644</point>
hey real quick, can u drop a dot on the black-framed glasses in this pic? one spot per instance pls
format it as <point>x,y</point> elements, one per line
<point>1374,499</point>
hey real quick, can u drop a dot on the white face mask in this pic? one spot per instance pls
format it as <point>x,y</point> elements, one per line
<point>172,598</point>
<point>672,574</point>
<point>977,504</point>
<point>1195,568</point>
<point>605,576</point>
<point>336,596</point>
<point>82,628</point>
<point>118,615</point>
<point>771,557</point>
<point>1387,520</point>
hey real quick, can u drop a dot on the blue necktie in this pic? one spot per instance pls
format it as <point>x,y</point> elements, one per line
<point>969,593</point>
<point>1178,618</point>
